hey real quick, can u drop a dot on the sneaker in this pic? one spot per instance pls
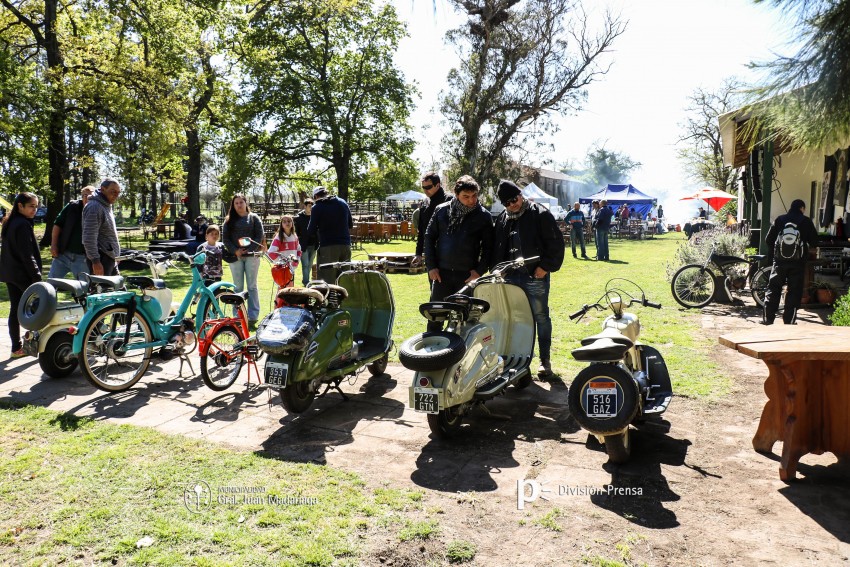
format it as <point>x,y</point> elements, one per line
<point>545,369</point>
<point>18,353</point>
<point>574,256</point>
<point>584,256</point>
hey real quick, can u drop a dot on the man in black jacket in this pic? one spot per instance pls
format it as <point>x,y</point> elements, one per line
<point>436,196</point>
<point>458,242</point>
<point>526,229</point>
<point>788,241</point>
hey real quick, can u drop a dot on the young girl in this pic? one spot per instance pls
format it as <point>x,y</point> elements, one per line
<point>20,260</point>
<point>211,271</point>
<point>285,241</point>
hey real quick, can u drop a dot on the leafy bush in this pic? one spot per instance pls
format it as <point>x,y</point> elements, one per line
<point>697,249</point>
<point>841,316</point>
<point>459,551</point>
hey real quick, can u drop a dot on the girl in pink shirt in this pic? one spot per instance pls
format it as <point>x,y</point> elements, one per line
<point>285,242</point>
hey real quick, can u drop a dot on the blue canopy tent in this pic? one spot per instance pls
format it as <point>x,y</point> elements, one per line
<point>616,195</point>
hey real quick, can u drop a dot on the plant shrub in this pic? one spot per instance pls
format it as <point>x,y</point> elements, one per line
<point>697,249</point>
<point>841,316</point>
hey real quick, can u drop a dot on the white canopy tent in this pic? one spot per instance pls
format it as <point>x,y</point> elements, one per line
<point>407,196</point>
<point>534,193</point>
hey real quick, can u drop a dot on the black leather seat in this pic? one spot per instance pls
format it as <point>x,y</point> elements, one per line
<point>440,311</point>
<point>601,350</point>
<point>145,282</point>
<point>611,334</point>
<point>234,298</point>
<point>75,287</point>
<point>461,299</point>
<point>115,282</point>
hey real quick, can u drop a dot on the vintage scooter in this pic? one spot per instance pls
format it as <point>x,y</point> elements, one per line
<point>325,332</point>
<point>627,381</point>
<point>486,347</point>
<point>50,322</point>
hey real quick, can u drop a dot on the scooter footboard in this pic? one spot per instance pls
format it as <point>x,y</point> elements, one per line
<point>604,399</point>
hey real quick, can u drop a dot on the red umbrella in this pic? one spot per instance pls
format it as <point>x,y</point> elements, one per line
<point>714,197</point>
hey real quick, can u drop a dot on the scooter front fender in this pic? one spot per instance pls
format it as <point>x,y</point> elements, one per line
<point>95,305</point>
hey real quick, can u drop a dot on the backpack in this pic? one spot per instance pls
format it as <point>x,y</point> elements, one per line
<point>789,244</point>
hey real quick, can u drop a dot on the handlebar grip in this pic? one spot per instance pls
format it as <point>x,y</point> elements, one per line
<point>578,313</point>
<point>651,304</point>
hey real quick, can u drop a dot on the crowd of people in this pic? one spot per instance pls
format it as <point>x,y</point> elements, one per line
<point>457,240</point>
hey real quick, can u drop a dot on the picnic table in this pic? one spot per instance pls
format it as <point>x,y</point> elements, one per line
<point>808,389</point>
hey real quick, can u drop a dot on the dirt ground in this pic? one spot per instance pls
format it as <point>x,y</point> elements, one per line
<point>699,495</point>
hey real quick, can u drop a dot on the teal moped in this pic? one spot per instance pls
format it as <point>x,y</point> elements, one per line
<point>116,337</point>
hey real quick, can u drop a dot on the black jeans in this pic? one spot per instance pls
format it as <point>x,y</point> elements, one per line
<point>452,281</point>
<point>780,274</point>
<point>15,294</point>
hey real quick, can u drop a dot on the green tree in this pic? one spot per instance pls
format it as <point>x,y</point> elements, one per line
<point>608,166</point>
<point>810,106</point>
<point>514,76</point>
<point>700,149</point>
<point>321,83</point>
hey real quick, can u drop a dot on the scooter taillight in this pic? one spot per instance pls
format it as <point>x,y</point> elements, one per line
<point>72,330</point>
<point>424,381</point>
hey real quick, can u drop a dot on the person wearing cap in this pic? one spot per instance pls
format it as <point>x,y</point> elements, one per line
<point>66,240</point>
<point>199,228</point>
<point>436,196</point>
<point>526,229</point>
<point>308,245</point>
<point>790,271</point>
<point>330,225</point>
<point>457,243</point>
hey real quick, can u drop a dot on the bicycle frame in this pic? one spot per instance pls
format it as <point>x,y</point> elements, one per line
<point>151,310</point>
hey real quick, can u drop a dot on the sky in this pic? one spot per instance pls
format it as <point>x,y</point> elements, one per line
<point>669,49</point>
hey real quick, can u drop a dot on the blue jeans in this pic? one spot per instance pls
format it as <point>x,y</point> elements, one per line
<point>602,244</point>
<point>244,273</point>
<point>577,235</point>
<point>537,291</point>
<point>68,262</point>
<point>308,254</point>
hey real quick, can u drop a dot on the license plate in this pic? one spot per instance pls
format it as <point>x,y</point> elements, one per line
<point>602,398</point>
<point>276,373</point>
<point>426,399</point>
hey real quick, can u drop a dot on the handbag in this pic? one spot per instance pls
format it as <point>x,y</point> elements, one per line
<point>227,255</point>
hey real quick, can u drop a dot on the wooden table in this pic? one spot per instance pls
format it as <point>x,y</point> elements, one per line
<point>808,389</point>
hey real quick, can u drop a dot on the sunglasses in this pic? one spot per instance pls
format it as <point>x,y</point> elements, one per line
<point>511,201</point>
<point>428,187</point>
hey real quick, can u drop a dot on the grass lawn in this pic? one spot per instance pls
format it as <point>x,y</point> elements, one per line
<point>77,490</point>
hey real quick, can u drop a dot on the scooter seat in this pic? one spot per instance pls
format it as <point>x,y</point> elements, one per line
<point>234,298</point>
<point>114,282</point>
<point>301,296</point>
<point>611,334</point>
<point>462,299</point>
<point>326,288</point>
<point>601,350</point>
<point>145,282</point>
<point>440,311</point>
<point>75,287</point>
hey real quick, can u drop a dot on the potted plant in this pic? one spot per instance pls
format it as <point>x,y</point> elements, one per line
<point>824,291</point>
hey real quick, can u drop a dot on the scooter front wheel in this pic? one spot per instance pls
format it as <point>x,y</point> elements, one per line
<point>430,351</point>
<point>106,361</point>
<point>446,423</point>
<point>297,397</point>
<point>619,446</point>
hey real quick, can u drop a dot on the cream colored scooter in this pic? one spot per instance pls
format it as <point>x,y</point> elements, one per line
<point>487,346</point>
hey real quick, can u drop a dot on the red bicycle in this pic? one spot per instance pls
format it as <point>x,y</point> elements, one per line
<point>225,345</point>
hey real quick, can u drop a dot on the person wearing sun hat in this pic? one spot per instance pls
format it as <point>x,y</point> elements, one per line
<point>330,224</point>
<point>527,229</point>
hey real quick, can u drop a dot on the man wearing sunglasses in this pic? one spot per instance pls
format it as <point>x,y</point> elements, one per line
<point>527,229</point>
<point>436,196</point>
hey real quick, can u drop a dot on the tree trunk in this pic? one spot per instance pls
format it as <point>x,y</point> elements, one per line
<point>56,152</point>
<point>193,175</point>
<point>342,166</point>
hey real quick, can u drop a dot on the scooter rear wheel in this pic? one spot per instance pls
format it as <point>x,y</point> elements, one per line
<point>431,351</point>
<point>445,424</point>
<point>297,397</point>
<point>58,360</point>
<point>627,407</point>
<point>619,446</point>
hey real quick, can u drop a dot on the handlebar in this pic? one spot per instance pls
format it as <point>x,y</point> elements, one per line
<point>356,264</point>
<point>648,303</point>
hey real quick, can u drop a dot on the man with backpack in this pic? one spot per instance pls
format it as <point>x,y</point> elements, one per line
<point>788,240</point>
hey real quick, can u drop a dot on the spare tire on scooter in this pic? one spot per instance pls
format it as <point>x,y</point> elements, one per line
<point>610,410</point>
<point>37,306</point>
<point>431,351</point>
